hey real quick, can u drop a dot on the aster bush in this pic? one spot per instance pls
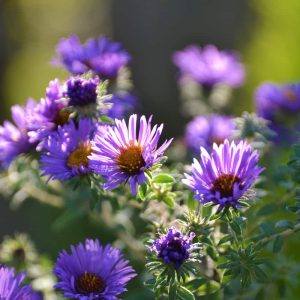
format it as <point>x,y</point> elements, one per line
<point>205,215</point>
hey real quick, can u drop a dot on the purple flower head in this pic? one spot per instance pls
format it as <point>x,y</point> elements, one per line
<point>203,131</point>
<point>223,177</point>
<point>92,272</point>
<point>100,55</point>
<point>10,285</point>
<point>122,103</point>
<point>49,114</point>
<point>210,66</point>
<point>280,104</point>
<point>67,150</point>
<point>174,247</point>
<point>121,155</point>
<point>14,139</point>
<point>272,99</point>
<point>81,92</point>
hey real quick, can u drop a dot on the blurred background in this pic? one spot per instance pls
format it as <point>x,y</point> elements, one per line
<point>265,32</point>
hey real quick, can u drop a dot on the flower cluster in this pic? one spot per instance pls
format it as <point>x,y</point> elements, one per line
<point>174,247</point>
<point>81,131</point>
<point>223,177</point>
<point>208,66</point>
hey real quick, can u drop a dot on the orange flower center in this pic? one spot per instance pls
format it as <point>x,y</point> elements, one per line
<point>79,157</point>
<point>224,184</point>
<point>62,117</point>
<point>291,96</point>
<point>90,283</point>
<point>130,159</point>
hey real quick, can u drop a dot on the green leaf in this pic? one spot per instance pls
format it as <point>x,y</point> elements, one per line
<point>244,203</point>
<point>173,290</point>
<point>185,294</point>
<point>195,283</point>
<point>215,217</point>
<point>225,239</point>
<point>192,203</point>
<point>169,201</point>
<point>163,178</point>
<point>150,282</point>
<point>142,191</point>
<point>278,243</point>
<point>235,227</point>
<point>260,274</point>
<point>284,224</point>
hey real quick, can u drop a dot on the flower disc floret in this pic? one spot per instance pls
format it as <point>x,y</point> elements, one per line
<point>223,177</point>
<point>102,273</point>
<point>174,247</point>
<point>125,153</point>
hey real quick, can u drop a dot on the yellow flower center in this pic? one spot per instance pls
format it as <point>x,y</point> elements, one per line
<point>62,117</point>
<point>224,184</point>
<point>90,283</point>
<point>130,159</point>
<point>79,157</point>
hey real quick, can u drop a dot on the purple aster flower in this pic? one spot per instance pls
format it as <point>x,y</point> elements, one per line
<point>14,139</point>
<point>210,66</point>
<point>92,272</point>
<point>100,55</point>
<point>120,155</point>
<point>10,285</point>
<point>67,150</point>
<point>272,99</point>
<point>81,92</point>
<point>206,130</point>
<point>174,247</point>
<point>280,104</point>
<point>223,177</point>
<point>49,114</point>
<point>122,103</point>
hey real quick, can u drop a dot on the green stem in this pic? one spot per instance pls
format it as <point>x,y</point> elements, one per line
<point>281,234</point>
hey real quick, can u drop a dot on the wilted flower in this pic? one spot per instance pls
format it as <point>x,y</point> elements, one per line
<point>174,247</point>
<point>67,150</point>
<point>10,286</point>
<point>102,56</point>
<point>121,155</point>
<point>92,272</point>
<point>223,177</point>
<point>206,130</point>
<point>209,66</point>
<point>14,139</point>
